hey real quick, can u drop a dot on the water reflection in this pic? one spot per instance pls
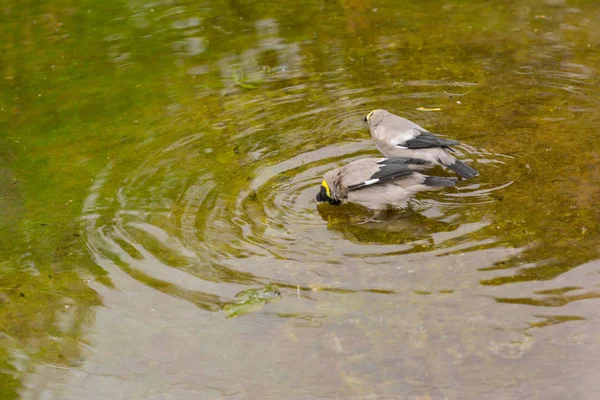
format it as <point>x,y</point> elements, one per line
<point>176,211</point>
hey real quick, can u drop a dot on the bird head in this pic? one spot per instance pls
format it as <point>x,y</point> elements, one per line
<point>374,117</point>
<point>326,195</point>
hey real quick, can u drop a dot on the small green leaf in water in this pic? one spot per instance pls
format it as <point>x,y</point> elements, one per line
<point>251,300</point>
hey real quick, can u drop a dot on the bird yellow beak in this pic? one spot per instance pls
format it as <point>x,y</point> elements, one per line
<point>368,117</point>
<point>326,186</point>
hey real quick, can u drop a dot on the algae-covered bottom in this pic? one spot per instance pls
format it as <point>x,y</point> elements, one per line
<point>159,234</point>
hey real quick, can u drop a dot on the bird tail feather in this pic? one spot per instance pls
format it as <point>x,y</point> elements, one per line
<point>463,169</point>
<point>438,181</point>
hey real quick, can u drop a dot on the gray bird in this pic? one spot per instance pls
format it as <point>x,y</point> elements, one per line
<point>379,182</point>
<point>395,136</point>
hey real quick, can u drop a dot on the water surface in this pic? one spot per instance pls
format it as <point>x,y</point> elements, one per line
<point>159,237</point>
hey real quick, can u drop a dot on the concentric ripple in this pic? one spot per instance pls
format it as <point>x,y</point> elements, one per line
<point>234,204</point>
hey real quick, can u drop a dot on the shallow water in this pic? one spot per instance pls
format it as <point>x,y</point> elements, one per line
<point>159,237</point>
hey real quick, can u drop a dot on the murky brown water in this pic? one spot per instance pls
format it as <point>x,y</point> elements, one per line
<point>159,237</point>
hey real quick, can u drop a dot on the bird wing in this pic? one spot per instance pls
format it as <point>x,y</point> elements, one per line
<point>425,140</point>
<point>389,169</point>
<point>404,160</point>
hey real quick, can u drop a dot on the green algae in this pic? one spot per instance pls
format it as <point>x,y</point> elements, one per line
<point>91,86</point>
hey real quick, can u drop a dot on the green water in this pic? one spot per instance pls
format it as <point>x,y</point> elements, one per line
<point>159,237</point>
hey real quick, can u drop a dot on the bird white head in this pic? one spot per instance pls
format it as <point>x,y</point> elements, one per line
<point>375,117</point>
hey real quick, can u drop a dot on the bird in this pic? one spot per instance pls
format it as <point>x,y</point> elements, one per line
<point>395,136</point>
<point>377,183</point>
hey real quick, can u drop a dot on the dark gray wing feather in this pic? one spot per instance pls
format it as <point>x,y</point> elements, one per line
<point>404,160</point>
<point>389,170</point>
<point>425,140</point>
